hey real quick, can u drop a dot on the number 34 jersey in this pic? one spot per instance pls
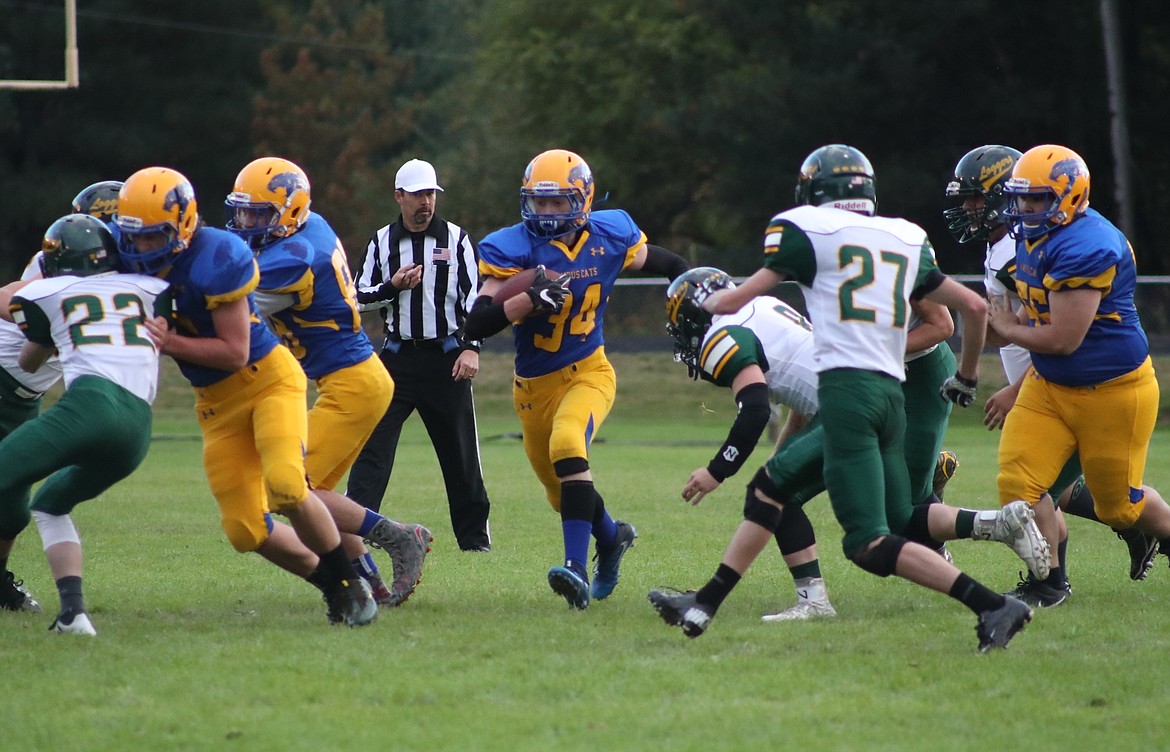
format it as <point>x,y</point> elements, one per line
<point>96,324</point>
<point>857,273</point>
<point>546,343</point>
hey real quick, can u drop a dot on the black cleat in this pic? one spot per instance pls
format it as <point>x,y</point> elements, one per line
<point>13,596</point>
<point>680,609</point>
<point>997,627</point>
<point>1142,550</point>
<point>1039,594</point>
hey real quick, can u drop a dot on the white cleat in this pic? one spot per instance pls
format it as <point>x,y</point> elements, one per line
<point>78,623</point>
<point>803,611</point>
<point>1015,525</point>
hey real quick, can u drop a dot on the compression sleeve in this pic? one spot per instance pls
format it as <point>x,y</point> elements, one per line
<point>485,319</point>
<point>661,261</point>
<point>750,422</point>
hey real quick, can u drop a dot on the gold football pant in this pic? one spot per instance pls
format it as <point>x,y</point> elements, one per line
<point>1109,424</point>
<point>254,429</point>
<point>560,413</point>
<point>350,402</point>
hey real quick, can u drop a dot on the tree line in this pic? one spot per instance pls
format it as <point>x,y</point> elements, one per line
<point>694,115</point>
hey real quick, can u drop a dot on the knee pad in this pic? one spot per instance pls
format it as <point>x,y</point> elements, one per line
<point>287,486</point>
<point>882,558</point>
<point>246,536</point>
<point>570,466</point>
<point>55,528</point>
<point>1121,518</point>
<point>761,482</point>
<point>760,512</point>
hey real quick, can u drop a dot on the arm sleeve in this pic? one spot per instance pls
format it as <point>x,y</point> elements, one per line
<point>661,261</point>
<point>750,422</point>
<point>486,318</point>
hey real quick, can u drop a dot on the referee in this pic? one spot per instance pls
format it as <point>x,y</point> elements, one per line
<point>422,273</point>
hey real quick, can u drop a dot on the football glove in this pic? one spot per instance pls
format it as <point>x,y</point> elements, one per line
<point>959,390</point>
<point>548,295</point>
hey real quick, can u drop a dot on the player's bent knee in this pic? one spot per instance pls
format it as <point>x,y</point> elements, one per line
<point>761,512</point>
<point>287,487</point>
<point>880,558</point>
<point>1121,518</point>
<point>247,536</point>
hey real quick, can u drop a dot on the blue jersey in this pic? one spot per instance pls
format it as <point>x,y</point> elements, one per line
<point>321,324</point>
<point>546,343</point>
<point>217,268</point>
<point>1090,253</point>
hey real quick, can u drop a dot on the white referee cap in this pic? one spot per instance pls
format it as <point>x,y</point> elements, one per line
<point>416,175</point>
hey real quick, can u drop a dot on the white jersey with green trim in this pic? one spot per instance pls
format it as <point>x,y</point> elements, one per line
<point>858,297</point>
<point>11,341</point>
<point>787,339</point>
<point>1000,264</point>
<point>96,324</point>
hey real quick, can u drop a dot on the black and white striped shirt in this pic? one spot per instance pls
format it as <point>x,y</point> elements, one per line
<point>438,306</point>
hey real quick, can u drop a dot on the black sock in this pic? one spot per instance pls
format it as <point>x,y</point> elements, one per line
<point>918,528</point>
<point>1061,570</point>
<point>335,567</point>
<point>975,596</point>
<point>718,587</point>
<point>69,589</point>
<point>1080,501</point>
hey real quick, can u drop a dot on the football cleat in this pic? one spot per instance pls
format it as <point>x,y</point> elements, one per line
<point>14,597</point>
<point>1039,594</point>
<point>351,602</point>
<point>944,470</point>
<point>997,626</point>
<point>609,558</point>
<point>1143,549</point>
<point>1015,525</point>
<point>73,622</point>
<point>803,611</point>
<point>679,609</point>
<point>408,546</point>
<point>570,583</point>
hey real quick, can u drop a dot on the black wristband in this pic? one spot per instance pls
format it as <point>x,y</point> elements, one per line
<point>754,413</point>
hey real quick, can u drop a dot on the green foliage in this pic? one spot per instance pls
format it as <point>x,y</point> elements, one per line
<point>200,648</point>
<point>331,108</point>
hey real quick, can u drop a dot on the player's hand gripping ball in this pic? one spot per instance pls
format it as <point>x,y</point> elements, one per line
<point>545,288</point>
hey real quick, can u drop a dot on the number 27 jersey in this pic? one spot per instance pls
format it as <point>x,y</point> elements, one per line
<point>857,273</point>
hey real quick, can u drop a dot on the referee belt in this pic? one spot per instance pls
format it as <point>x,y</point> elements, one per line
<point>394,344</point>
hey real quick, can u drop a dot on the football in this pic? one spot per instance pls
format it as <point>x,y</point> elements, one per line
<point>519,283</point>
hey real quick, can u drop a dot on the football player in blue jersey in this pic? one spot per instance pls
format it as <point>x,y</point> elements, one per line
<point>307,294</point>
<point>250,390</point>
<point>564,385</point>
<point>977,187</point>
<point>1091,388</point>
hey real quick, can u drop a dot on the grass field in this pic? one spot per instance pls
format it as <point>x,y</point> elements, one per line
<point>200,648</point>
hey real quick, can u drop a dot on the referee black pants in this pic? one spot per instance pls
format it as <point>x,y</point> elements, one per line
<point>422,382</point>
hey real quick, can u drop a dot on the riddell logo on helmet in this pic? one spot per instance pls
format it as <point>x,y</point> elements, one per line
<point>854,206</point>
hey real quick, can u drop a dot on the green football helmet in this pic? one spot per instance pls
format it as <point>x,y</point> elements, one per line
<point>839,176</point>
<point>98,200</point>
<point>686,321</point>
<point>983,171</point>
<point>78,245</point>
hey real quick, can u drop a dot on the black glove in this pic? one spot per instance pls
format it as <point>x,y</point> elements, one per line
<point>959,390</point>
<point>548,295</point>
